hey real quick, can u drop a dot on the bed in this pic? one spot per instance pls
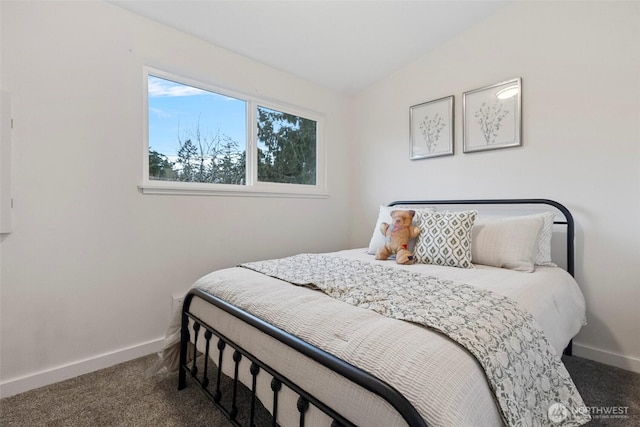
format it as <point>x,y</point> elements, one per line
<point>351,359</point>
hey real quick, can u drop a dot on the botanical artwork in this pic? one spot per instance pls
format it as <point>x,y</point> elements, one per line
<point>432,129</point>
<point>491,117</point>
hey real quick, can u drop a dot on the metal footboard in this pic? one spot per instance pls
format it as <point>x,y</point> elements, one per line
<point>257,366</point>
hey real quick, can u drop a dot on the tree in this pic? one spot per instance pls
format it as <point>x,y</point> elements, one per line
<point>160,168</point>
<point>229,165</point>
<point>289,155</point>
<point>187,158</point>
<point>211,159</point>
<point>286,154</point>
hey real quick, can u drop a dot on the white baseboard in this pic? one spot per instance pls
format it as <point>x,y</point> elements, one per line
<point>41,379</point>
<point>608,358</point>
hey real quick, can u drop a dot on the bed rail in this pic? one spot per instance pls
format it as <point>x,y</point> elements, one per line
<point>568,218</point>
<point>339,366</point>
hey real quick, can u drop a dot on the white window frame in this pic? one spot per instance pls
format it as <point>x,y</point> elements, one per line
<point>253,187</point>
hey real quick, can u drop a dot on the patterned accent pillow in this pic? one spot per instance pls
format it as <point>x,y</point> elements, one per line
<point>445,238</point>
<point>543,252</point>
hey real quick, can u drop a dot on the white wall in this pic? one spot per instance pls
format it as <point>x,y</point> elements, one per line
<point>87,274</point>
<point>580,65</point>
<point>89,270</point>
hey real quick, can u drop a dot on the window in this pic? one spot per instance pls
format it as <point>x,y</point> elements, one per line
<point>195,135</point>
<point>203,139</point>
<point>286,147</point>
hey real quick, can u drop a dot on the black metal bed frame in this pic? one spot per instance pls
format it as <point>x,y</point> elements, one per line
<point>346,370</point>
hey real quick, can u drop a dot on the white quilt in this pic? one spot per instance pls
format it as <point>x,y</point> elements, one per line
<point>443,381</point>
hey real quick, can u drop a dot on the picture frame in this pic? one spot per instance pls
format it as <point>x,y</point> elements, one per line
<point>492,117</point>
<point>431,129</point>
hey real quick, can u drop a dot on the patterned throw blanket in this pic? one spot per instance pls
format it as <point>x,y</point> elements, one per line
<point>529,381</point>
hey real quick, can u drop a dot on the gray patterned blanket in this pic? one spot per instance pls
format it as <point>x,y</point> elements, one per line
<point>530,384</point>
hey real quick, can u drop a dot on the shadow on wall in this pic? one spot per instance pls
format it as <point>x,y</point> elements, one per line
<point>596,325</point>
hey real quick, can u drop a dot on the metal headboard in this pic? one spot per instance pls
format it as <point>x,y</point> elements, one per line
<point>568,218</point>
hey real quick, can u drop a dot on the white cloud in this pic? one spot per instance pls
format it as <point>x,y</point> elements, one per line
<point>165,88</point>
<point>160,113</point>
<point>161,87</point>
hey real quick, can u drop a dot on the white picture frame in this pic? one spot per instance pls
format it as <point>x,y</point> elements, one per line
<point>431,129</point>
<point>491,117</point>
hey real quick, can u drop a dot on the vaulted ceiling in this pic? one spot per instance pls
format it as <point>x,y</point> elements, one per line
<point>342,45</point>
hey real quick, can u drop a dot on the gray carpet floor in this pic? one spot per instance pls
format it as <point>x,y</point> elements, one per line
<point>122,396</point>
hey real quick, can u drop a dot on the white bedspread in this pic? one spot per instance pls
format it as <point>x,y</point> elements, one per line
<point>550,294</point>
<point>443,381</point>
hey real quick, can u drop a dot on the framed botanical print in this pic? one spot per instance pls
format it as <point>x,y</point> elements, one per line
<point>431,129</point>
<point>491,117</point>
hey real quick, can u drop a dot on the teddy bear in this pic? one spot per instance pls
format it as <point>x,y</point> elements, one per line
<point>398,234</point>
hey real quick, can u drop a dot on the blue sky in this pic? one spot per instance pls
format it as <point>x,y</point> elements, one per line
<point>174,110</point>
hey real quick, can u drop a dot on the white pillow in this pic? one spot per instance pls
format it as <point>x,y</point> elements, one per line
<point>509,243</point>
<point>445,238</point>
<point>384,215</point>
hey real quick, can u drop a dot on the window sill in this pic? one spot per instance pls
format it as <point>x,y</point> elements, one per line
<point>196,189</point>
